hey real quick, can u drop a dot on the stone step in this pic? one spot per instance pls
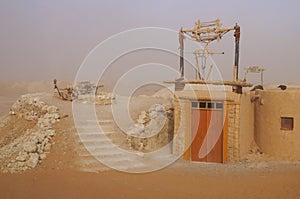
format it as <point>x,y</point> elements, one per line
<point>95,150</point>
<point>92,126</point>
<point>94,141</point>
<point>115,163</point>
<point>110,159</point>
<point>95,166</point>
<point>92,165</point>
<point>93,138</point>
<point>98,141</point>
<point>105,121</point>
<point>86,134</point>
<point>95,128</point>
<point>102,153</point>
<point>102,121</point>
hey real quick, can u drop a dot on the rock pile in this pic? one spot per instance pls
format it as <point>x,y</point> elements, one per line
<point>85,88</point>
<point>102,98</point>
<point>28,107</point>
<point>31,148</point>
<point>153,128</point>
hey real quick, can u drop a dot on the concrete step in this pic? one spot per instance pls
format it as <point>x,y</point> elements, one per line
<point>95,130</point>
<point>109,159</point>
<point>83,122</point>
<point>95,134</point>
<point>95,126</point>
<point>97,145</point>
<point>121,163</point>
<point>99,150</point>
<point>99,140</point>
<point>103,146</point>
<point>88,141</point>
<point>102,153</point>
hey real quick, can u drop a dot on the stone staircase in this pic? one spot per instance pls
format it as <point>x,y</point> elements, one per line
<point>99,148</point>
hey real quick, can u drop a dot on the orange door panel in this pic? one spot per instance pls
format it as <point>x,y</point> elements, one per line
<point>207,135</point>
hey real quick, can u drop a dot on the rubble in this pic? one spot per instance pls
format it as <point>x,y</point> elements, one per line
<point>85,92</point>
<point>31,148</point>
<point>153,128</point>
<point>85,88</point>
<point>33,160</point>
<point>102,98</point>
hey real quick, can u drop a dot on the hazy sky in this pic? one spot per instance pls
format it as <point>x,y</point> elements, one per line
<point>40,40</point>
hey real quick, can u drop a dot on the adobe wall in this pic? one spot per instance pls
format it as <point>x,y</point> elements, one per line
<point>269,108</point>
<point>181,125</point>
<point>233,145</point>
<point>246,126</point>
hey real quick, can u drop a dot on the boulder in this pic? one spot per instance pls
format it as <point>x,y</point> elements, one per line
<point>52,109</point>
<point>29,147</point>
<point>43,156</point>
<point>22,157</point>
<point>47,147</point>
<point>33,160</point>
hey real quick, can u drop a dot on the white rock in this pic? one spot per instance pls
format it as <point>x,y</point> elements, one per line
<point>33,160</point>
<point>43,156</point>
<point>52,109</point>
<point>44,109</point>
<point>29,147</point>
<point>36,99</point>
<point>45,141</point>
<point>31,118</point>
<point>50,132</point>
<point>47,147</point>
<point>56,116</point>
<point>11,112</point>
<point>41,137</point>
<point>22,157</point>
<point>40,149</point>
<point>20,164</point>
<point>142,117</point>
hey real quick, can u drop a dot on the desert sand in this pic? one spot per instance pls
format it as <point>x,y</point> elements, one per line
<point>61,174</point>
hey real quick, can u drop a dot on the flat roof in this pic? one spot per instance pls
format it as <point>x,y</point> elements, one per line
<point>212,95</point>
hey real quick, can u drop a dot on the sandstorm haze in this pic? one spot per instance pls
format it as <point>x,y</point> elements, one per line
<point>42,40</point>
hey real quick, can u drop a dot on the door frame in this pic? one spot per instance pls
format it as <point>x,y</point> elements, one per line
<point>189,133</point>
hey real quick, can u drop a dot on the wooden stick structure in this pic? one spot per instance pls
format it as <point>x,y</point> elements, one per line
<point>206,32</point>
<point>213,82</point>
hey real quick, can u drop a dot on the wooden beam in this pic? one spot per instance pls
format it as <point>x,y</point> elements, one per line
<point>213,82</point>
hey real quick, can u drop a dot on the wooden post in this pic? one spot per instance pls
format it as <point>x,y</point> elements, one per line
<point>237,34</point>
<point>181,47</point>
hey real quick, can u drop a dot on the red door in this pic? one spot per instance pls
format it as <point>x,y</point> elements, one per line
<point>207,133</point>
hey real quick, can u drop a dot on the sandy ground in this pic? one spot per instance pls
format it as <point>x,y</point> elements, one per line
<point>167,183</point>
<point>59,176</point>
